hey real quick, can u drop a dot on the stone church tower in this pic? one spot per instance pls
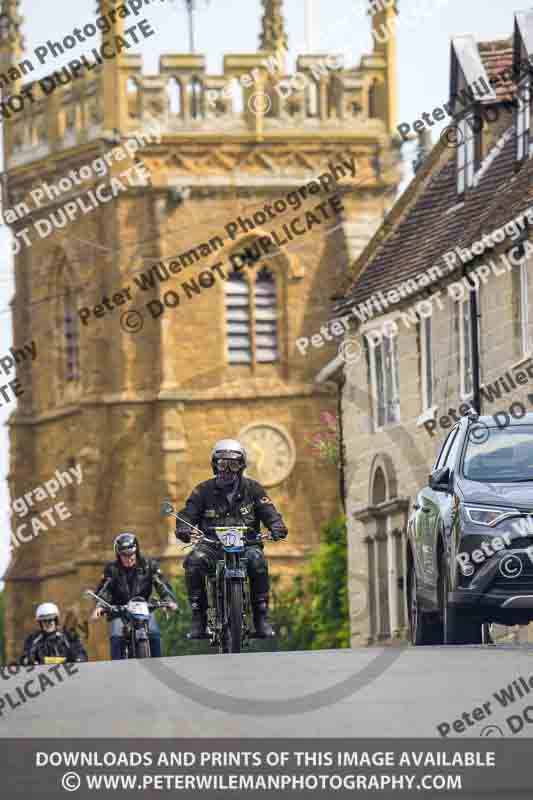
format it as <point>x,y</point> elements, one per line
<point>139,410</point>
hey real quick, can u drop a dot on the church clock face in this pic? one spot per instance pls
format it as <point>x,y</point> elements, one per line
<point>271,453</point>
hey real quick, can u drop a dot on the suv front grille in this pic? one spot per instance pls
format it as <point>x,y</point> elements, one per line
<point>522,584</point>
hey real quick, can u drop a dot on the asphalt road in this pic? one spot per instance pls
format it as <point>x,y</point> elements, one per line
<point>359,693</point>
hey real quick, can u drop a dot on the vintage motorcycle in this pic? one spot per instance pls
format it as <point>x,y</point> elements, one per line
<point>135,616</point>
<point>229,612</point>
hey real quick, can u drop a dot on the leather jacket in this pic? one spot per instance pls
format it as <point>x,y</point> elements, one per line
<point>208,506</point>
<point>61,643</point>
<point>117,589</point>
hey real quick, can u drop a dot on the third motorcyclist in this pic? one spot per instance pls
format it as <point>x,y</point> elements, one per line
<point>228,499</point>
<point>50,641</point>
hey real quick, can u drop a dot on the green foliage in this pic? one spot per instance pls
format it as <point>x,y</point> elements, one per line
<point>175,627</point>
<point>313,614</point>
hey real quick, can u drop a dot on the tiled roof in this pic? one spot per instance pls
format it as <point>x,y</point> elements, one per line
<point>436,223</point>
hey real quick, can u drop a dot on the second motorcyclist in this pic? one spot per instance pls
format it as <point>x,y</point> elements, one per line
<point>228,499</point>
<point>132,575</point>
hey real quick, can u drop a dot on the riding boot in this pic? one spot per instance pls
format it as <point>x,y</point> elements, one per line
<point>263,629</point>
<point>198,600</point>
<point>199,620</point>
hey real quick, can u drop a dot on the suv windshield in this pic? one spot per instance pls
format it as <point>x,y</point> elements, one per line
<point>505,456</point>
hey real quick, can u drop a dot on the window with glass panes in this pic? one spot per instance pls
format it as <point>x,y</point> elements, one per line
<point>72,337</point>
<point>384,381</point>
<point>466,152</point>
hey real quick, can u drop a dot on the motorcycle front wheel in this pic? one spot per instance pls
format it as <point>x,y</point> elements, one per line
<point>234,628</point>
<point>143,648</point>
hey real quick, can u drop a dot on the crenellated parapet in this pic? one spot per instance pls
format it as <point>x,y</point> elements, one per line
<point>253,96</point>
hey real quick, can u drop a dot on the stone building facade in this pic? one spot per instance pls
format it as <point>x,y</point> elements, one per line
<point>216,355</point>
<point>467,212</point>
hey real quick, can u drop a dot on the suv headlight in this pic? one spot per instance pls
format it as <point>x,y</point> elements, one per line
<point>488,515</point>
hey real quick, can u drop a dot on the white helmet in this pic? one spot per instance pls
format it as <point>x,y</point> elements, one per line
<point>47,611</point>
<point>228,448</point>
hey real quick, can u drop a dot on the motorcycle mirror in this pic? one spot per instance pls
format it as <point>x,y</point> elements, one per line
<point>87,593</point>
<point>167,508</point>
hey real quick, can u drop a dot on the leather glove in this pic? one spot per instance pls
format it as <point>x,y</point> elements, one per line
<point>278,531</point>
<point>183,533</point>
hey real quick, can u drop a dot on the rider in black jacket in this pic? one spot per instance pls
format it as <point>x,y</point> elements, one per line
<point>51,641</point>
<point>228,499</point>
<point>132,575</point>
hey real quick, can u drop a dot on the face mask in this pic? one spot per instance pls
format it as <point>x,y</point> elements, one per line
<point>227,480</point>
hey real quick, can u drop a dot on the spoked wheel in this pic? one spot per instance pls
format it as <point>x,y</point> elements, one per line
<point>423,629</point>
<point>143,649</point>
<point>234,628</point>
<point>457,628</point>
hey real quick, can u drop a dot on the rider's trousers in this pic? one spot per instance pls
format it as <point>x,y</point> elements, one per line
<point>202,560</point>
<point>117,642</point>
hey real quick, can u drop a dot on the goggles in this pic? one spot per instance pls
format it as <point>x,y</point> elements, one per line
<point>128,553</point>
<point>48,620</point>
<point>223,464</point>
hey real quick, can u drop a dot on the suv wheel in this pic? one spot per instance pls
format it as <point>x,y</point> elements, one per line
<point>458,628</point>
<point>422,628</point>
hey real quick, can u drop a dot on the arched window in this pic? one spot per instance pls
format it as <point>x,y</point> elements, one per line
<point>237,302</point>
<point>173,90</point>
<point>194,91</point>
<point>71,336</point>
<point>379,488</point>
<point>266,322</point>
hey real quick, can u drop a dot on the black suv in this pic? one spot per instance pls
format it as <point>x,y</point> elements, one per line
<point>470,534</point>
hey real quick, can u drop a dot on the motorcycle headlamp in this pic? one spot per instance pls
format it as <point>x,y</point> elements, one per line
<point>488,515</point>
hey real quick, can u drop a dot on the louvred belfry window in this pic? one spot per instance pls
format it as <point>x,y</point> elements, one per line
<point>266,322</point>
<point>251,318</point>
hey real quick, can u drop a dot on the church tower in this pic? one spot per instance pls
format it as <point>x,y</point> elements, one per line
<point>187,306</point>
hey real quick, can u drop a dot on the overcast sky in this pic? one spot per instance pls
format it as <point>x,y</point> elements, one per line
<point>232,26</point>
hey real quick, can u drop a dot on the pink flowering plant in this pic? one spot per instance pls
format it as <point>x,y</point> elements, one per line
<point>325,443</point>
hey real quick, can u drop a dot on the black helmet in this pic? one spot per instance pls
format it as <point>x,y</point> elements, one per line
<point>231,450</point>
<point>126,543</point>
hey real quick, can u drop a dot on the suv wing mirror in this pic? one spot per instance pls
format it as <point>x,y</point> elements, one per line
<point>439,480</point>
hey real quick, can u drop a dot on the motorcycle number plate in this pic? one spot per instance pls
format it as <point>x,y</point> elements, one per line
<point>230,537</point>
<point>138,608</point>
